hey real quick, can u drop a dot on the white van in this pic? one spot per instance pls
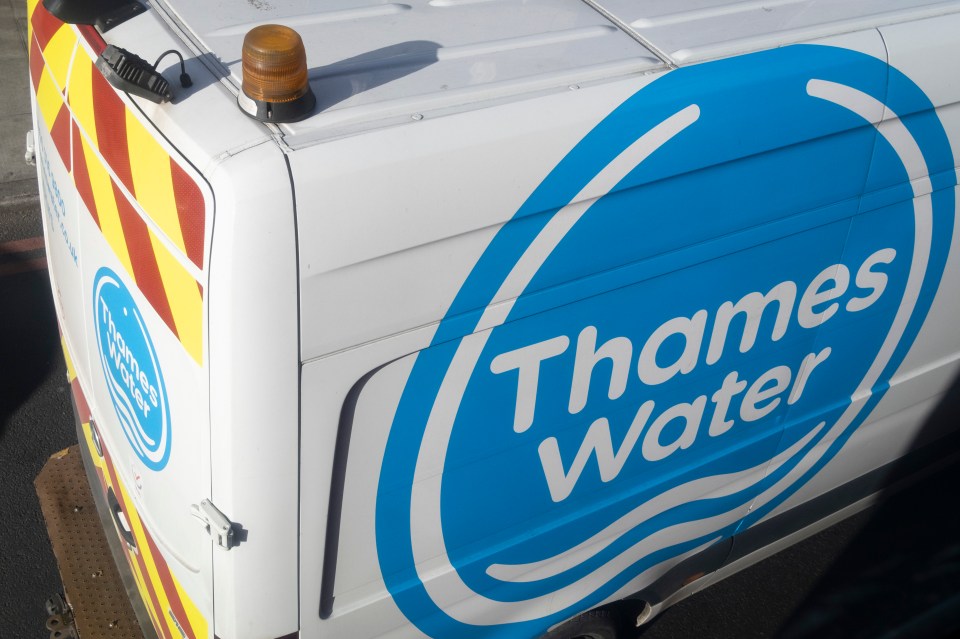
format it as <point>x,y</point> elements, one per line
<point>482,314</point>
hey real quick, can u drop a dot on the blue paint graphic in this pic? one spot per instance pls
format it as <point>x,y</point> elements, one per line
<point>694,311</point>
<point>56,208</point>
<point>131,370</point>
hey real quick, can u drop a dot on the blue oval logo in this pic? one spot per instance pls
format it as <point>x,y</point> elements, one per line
<point>681,326</point>
<point>132,370</point>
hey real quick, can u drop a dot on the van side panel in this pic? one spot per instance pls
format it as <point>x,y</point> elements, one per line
<point>918,51</point>
<point>359,255</point>
<point>694,308</point>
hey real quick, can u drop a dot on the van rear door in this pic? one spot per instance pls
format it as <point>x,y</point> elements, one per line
<point>127,220</point>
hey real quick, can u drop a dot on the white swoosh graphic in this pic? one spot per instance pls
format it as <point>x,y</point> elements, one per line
<point>698,489</point>
<point>440,578</point>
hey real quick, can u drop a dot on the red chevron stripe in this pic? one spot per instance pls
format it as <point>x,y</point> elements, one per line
<point>110,115</point>
<point>145,269</point>
<point>168,587</point>
<point>93,38</point>
<point>44,25</point>
<point>81,177</point>
<point>60,134</point>
<point>83,409</point>
<point>36,63</point>
<point>190,210</point>
<point>97,467</point>
<point>161,628</point>
<point>103,481</point>
<point>138,557</point>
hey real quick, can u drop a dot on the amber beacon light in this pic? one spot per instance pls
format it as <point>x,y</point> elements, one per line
<point>275,83</point>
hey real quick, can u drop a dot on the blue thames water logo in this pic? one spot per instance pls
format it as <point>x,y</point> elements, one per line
<point>131,370</point>
<point>680,327</point>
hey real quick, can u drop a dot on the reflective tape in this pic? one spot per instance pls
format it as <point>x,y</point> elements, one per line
<point>173,613</point>
<point>149,208</point>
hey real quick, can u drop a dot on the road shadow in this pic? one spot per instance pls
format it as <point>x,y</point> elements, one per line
<point>28,331</point>
<point>35,421</point>
<point>899,575</point>
<point>889,571</point>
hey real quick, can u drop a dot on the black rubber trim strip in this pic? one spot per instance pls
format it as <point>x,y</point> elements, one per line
<point>337,480</point>
<point>886,479</point>
<point>702,563</point>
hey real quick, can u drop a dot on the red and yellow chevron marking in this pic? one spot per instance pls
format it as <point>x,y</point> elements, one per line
<point>169,197</point>
<point>124,176</point>
<point>49,72</point>
<point>171,611</point>
<point>170,289</point>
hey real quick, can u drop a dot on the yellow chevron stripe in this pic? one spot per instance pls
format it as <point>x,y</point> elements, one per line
<point>153,619</point>
<point>143,547</point>
<point>140,580</point>
<point>102,186</point>
<point>152,180</point>
<point>100,463</point>
<point>31,5</point>
<point>153,189</point>
<point>197,622</point>
<point>81,96</point>
<point>184,299</point>
<point>153,185</point>
<point>97,459</point>
<point>138,576</point>
<point>144,592</point>
<point>49,99</point>
<point>88,440</point>
<point>59,52</point>
<point>71,371</point>
<point>145,597</point>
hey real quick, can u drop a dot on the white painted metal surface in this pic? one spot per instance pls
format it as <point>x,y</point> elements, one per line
<point>357,245</point>
<point>93,249</point>
<point>384,62</point>
<point>707,29</point>
<point>411,219</point>
<point>378,64</point>
<point>933,363</point>
<point>185,121</point>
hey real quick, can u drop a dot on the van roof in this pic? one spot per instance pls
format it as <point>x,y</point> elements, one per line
<point>376,62</point>
<point>688,31</point>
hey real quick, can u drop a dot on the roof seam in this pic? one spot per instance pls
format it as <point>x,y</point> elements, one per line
<point>630,31</point>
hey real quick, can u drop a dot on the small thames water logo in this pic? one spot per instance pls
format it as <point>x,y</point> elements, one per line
<point>131,370</point>
<point>683,324</point>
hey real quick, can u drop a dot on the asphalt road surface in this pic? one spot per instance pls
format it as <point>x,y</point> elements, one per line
<point>893,571</point>
<point>35,421</point>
